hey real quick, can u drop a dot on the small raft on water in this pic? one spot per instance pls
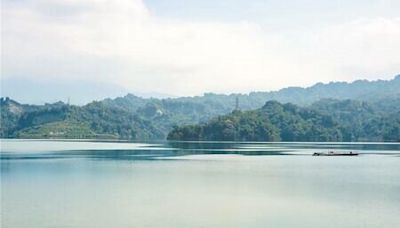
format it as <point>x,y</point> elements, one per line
<point>333,153</point>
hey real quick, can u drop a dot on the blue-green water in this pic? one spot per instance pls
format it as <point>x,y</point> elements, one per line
<point>119,184</point>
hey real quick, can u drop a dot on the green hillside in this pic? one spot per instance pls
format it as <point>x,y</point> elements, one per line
<point>363,110</point>
<point>324,121</point>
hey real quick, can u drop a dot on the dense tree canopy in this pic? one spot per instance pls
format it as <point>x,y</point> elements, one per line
<point>357,111</point>
<point>328,120</point>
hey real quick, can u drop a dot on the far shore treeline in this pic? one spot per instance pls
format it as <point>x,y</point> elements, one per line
<point>324,121</point>
<point>358,111</point>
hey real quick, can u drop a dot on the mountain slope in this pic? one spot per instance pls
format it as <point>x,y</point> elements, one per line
<point>328,120</point>
<point>273,122</point>
<point>132,117</point>
<point>59,120</point>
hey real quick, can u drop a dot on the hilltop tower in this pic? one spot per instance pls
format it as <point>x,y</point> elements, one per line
<point>237,103</point>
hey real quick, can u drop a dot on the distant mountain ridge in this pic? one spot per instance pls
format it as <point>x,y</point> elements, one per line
<point>133,117</point>
<point>358,90</point>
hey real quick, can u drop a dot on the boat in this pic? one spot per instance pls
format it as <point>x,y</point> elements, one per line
<point>335,153</point>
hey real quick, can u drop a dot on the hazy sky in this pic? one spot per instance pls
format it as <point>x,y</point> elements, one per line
<point>89,49</point>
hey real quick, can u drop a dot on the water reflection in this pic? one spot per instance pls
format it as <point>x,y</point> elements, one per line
<point>189,184</point>
<point>148,151</point>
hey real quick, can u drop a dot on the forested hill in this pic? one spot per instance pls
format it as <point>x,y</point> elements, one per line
<point>60,120</point>
<point>220,103</point>
<point>327,120</point>
<point>132,117</point>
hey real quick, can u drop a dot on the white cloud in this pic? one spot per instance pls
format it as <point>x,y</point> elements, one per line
<point>366,47</point>
<point>121,42</point>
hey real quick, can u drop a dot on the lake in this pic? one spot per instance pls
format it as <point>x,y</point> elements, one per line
<point>66,183</point>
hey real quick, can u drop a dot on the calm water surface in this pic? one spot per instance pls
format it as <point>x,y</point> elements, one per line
<point>160,184</point>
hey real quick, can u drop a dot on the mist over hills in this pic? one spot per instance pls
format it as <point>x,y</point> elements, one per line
<point>135,118</point>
